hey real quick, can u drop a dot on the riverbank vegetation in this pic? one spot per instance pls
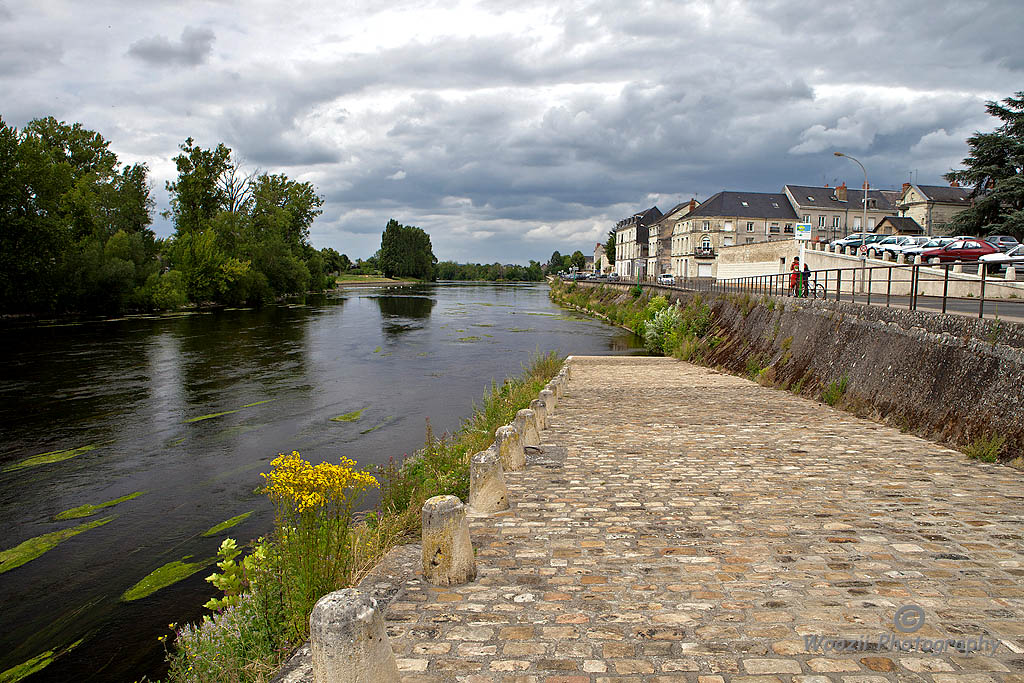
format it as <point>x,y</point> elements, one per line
<point>494,272</point>
<point>316,546</point>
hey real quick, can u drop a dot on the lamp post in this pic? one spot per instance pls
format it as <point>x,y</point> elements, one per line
<point>864,226</point>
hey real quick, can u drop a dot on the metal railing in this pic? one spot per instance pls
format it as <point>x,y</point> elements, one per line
<point>943,288</point>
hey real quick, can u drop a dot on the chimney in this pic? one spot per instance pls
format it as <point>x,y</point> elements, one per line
<point>693,204</point>
<point>905,186</point>
<point>841,192</point>
<point>826,184</point>
<point>954,183</point>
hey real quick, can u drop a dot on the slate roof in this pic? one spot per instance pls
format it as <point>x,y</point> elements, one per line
<point>824,198</point>
<point>946,194</point>
<point>746,205</point>
<point>904,225</point>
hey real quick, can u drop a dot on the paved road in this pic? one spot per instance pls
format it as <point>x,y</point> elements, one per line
<point>700,527</point>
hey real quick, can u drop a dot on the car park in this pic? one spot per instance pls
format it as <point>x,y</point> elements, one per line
<point>960,250</point>
<point>666,279</point>
<point>853,239</point>
<point>999,261</point>
<point>905,242</point>
<point>613,277</point>
<point>933,243</point>
<point>871,240</point>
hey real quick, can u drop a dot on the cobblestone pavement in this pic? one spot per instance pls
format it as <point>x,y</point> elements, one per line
<point>703,528</point>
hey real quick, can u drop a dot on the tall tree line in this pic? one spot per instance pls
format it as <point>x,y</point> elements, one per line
<point>405,251</point>
<point>75,228</point>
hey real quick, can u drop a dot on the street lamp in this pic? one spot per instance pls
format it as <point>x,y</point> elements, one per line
<point>864,226</point>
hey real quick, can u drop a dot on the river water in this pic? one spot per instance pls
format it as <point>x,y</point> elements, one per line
<point>127,393</point>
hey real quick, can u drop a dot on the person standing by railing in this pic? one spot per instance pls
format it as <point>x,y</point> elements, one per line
<point>794,277</point>
<point>806,279</point>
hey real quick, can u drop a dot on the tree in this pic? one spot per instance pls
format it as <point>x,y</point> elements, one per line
<point>555,262</point>
<point>609,247</point>
<point>405,251</point>
<point>995,172</point>
<point>197,195</point>
<point>578,260</point>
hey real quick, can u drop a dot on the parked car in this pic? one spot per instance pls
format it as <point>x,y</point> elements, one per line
<point>878,246</point>
<point>960,250</point>
<point>666,279</point>
<point>853,239</point>
<point>905,242</point>
<point>1004,242</point>
<point>933,243</point>
<point>871,240</point>
<point>613,277</point>
<point>999,261</point>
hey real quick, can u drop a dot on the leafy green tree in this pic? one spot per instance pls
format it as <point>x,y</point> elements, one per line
<point>995,172</point>
<point>578,260</point>
<point>197,195</point>
<point>405,251</point>
<point>555,263</point>
<point>609,247</point>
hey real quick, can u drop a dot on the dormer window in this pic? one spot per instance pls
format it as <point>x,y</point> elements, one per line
<point>744,204</point>
<point>775,204</point>
<point>810,198</point>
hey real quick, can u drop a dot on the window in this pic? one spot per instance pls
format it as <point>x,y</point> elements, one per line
<point>728,242</point>
<point>821,221</point>
<point>835,221</point>
<point>744,203</point>
<point>807,218</point>
<point>705,243</point>
<point>750,226</point>
<point>728,226</point>
<point>775,204</point>
<point>706,226</point>
<point>750,240</point>
<point>788,229</point>
<point>856,223</point>
<point>871,224</point>
<point>774,229</point>
<point>810,198</point>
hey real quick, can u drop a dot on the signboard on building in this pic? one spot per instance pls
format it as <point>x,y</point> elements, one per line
<point>802,232</point>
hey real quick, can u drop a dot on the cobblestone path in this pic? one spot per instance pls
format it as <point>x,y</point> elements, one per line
<point>703,528</point>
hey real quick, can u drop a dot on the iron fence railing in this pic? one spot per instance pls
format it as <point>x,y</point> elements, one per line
<point>936,287</point>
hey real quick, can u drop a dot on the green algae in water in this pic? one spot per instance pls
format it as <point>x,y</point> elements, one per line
<point>468,339</point>
<point>257,403</point>
<point>167,575</point>
<point>377,426</point>
<point>227,524</point>
<point>349,417</point>
<point>90,510</point>
<point>522,329</point>
<point>37,663</point>
<point>378,349</point>
<point>51,457</point>
<point>34,547</point>
<point>422,354</point>
<point>208,417</point>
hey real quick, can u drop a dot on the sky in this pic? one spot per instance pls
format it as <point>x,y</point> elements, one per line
<point>508,129</point>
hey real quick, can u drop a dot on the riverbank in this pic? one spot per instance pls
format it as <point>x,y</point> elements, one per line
<point>267,616</point>
<point>350,281</point>
<point>946,378</point>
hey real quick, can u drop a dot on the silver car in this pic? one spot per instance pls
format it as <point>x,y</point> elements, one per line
<point>1000,261</point>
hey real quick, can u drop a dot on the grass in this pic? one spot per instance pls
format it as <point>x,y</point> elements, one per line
<point>51,457</point>
<point>169,574</point>
<point>986,448</point>
<point>26,551</point>
<point>227,524</point>
<point>90,510</point>
<point>835,390</point>
<point>349,417</point>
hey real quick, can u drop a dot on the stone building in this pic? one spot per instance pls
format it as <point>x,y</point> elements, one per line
<point>835,212</point>
<point>660,238</point>
<point>726,219</point>
<point>932,206</point>
<point>631,236</point>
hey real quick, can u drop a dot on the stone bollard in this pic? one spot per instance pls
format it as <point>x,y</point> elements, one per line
<point>887,256</point>
<point>557,385</point>
<point>550,402</point>
<point>526,424</point>
<point>447,550</point>
<point>958,268</point>
<point>487,492</point>
<point>509,446</point>
<point>918,259</point>
<point>901,259</point>
<point>348,641</point>
<point>540,412</point>
<point>1011,274</point>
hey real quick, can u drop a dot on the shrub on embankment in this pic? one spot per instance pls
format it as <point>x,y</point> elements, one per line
<point>949,378</point>
<point>316,547</point>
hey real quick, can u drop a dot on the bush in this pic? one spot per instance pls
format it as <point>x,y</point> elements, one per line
<point>662,329</point>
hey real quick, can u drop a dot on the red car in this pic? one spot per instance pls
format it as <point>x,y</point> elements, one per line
<point>960,250</point>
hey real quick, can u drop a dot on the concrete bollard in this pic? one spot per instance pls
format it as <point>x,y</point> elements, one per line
<point>510,448</point>
<point>887,256</point>
<point>1011,274</point>
<point>487,491</point>
<point>540,412</point>
<point>526,424</point>
<point>447,550</point>
<point>918,259</point>
<point>901,259</point>
<point>348,641</point>
<point>550,402</point>
<point>556,385</point>
<point>958,268</point>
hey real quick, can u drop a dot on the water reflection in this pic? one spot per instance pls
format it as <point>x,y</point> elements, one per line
<point>399,311</point>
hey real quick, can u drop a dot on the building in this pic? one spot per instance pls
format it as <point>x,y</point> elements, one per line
<point>727,219</point>
<point>835,212</point>
<point>932,206</point>
<point>631,236</point>
<point>661,237</point>
<point>898,225</point>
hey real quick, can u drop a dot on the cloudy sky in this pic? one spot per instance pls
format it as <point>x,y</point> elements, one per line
<point>510,128</point>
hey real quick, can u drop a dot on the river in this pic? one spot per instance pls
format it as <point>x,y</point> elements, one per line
<point>186,411</point>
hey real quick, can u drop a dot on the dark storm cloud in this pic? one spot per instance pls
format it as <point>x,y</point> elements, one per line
<point>194,48</point>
